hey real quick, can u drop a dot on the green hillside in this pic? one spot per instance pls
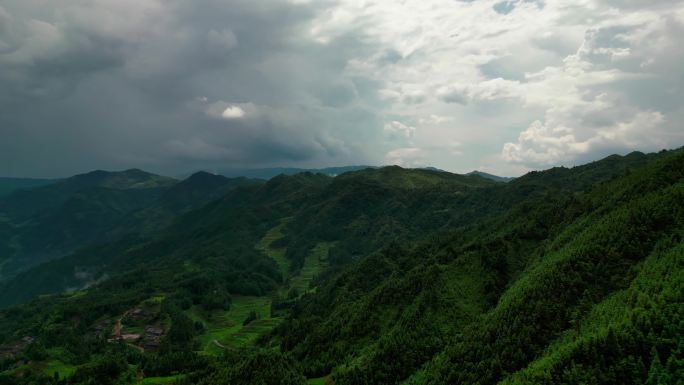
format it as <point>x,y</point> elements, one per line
<point>48,222</point>
<point>45,223</point>
<point>484,302</point>
<point>376,276</point>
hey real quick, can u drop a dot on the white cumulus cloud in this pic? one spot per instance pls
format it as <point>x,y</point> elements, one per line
<point>536,82</point>
<point>233,112</point>
<point>396,129</point>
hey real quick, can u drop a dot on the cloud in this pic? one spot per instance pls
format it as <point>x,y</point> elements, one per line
<point>221,42</point>
<point>223,110</point>
<point>491,89</point>
<point>542,145</point>
<point>571,74</point>
<point>435,120</point>
<point>115,84</point>
<point>598,111</point>
<point>419,156</point>
<point>396,129</point>
<point>233,112</point>
<point>171,85</point>
<point>406,157</point>
<point>195,148</point>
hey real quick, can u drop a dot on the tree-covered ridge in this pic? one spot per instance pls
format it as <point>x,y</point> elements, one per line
<point>414,276</point>
<point>48,222</point>
<point>552,261</point>
<point>369,216</point>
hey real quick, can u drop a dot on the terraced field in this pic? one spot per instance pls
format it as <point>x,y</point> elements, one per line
<point>277,254</point>
<point>225,329</point>
<point>313,264</point>
<point>250,332</point>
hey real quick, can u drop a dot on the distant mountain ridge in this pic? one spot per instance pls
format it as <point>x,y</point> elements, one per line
<point>268,173</point>
<point>49,221</point>
<point>10,185</point>
<point>493,177</point>
<point>371,202</point>
<point>32,201</point>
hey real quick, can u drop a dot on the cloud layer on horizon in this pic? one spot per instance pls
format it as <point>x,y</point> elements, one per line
<point>172,86</point>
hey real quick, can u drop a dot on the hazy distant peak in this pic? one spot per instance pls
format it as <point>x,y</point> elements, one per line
<point>205,175</point>
<point>128,179</point>
<point>495,178</point>
<point>268,173</point>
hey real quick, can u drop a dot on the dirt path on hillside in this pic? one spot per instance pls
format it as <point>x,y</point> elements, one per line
<point>116,332</point>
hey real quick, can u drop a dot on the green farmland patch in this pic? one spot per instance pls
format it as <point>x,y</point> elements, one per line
<point>226,329</point>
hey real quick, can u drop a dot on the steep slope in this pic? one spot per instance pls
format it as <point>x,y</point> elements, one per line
<point>48,222</point>
<point>225,228</point>
<point>632,332</point>
<point>200,187</point>
<point>598,254</point>
<point>188,194</point>
<point>361,211</point>
<point>488,299</point>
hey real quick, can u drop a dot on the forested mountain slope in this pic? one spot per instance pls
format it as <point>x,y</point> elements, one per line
<point>353,214</point>
<point>485,302</point>
<point>378,276</point>
<point>48,222</point>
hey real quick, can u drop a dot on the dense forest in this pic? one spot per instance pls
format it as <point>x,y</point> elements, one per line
<point>374,276</point>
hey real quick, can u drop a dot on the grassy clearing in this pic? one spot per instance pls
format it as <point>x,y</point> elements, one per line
<point>62,369</point>
<point>313,264</point>
<point>55,364</point>
<point>226,327</point>
<point>159,380</point>
<point>317,381</point>
<point>154,300</point>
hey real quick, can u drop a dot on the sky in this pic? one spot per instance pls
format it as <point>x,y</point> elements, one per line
<point>172,86</point>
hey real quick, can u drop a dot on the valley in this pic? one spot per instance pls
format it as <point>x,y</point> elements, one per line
<point>341,192</point>
<point>375,276</point>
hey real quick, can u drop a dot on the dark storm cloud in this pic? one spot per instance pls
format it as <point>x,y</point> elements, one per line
<point>174,85</point>
<point>132,83</point>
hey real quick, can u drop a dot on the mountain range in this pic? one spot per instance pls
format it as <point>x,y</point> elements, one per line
<point>366,275</point>
<point>268,173</point>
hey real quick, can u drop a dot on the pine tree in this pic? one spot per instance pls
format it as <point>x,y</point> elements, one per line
<point>655,371</point>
